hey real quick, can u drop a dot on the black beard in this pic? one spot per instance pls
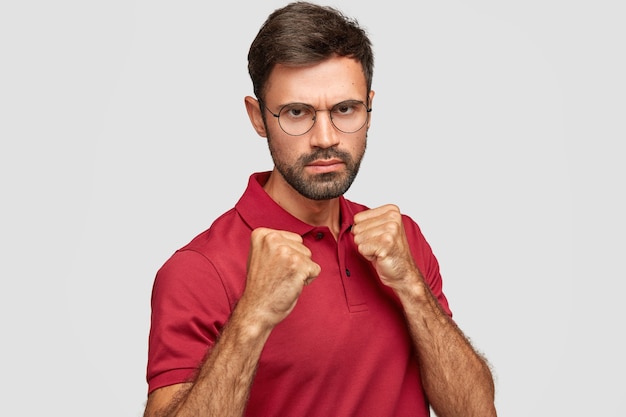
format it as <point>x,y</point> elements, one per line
<point>323,186</point>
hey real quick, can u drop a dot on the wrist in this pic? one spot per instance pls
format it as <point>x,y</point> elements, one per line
<point>250,325</point>
<point>411,286</point>
<point>413,292</point>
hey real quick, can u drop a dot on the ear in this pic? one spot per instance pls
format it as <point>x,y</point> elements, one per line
<point>371,100</point>
<point>254,113</point>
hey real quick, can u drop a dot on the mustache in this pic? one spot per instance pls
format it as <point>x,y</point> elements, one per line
<point>328,153</point>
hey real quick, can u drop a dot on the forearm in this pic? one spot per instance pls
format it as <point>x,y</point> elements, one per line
<point>456,379</point>
<point>279,266</point>
<point>223,383</point>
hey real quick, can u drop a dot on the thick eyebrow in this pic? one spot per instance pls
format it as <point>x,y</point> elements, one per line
<point>280,106</point>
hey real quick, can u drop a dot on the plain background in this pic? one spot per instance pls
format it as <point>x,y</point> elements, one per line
<point>497,126</point>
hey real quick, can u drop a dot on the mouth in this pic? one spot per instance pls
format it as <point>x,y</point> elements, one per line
<point>321,166</point>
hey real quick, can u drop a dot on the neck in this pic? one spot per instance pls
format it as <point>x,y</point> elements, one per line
<point>318,213</point>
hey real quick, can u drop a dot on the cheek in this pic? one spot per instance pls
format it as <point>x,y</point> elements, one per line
<point>280,149</point>
<point>359,147</point>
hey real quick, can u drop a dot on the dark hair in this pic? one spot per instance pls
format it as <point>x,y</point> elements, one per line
<point>303,33</point>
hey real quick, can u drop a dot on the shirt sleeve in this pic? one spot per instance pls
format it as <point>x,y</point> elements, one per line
<point>426,262</point>
<point>189,309</point>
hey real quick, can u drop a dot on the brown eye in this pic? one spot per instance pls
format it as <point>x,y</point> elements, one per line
<point>297,111</point>
<point>347,108</point>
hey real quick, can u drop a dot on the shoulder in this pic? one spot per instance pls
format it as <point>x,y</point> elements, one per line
<point>214,261</point>
<point>225,232</point>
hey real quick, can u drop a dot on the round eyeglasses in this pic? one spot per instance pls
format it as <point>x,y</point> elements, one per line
<point>296,119</point>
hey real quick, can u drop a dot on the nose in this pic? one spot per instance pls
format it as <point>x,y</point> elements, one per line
<point>324,134</point>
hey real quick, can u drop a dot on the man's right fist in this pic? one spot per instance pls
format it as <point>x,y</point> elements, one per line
<point>279,266</point>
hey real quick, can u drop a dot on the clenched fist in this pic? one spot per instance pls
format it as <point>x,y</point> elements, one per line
<point>380,237</point>
<point>279,266</point>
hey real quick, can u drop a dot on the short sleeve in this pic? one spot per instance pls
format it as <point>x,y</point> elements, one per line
<point>426,262</point>
<point>189,309</point>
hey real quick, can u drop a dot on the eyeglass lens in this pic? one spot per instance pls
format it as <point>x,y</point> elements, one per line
<point>298,118</point>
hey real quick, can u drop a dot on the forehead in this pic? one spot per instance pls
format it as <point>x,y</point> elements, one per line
<point>325,83</point>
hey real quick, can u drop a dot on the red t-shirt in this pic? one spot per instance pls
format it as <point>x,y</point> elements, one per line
<point>343,351</point>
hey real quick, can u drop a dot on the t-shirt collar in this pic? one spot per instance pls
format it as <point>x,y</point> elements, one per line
<point>257,209</point>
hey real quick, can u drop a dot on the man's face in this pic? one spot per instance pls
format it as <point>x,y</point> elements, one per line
<point>322,163</point>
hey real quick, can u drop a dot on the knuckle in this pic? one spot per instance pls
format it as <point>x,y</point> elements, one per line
<point>393,212</point>
<point>274,239</point>
<point>272,235</point>
<point>290,259</point>
<point>284,252</point>
<point>393,208</point>
<point>387,239</point>
<point>391,229</point>
<point>262,234</point>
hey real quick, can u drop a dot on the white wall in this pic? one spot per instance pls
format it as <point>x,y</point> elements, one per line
<point>498,127</point>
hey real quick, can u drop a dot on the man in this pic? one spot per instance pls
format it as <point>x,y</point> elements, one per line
<point>298,302</point>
